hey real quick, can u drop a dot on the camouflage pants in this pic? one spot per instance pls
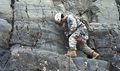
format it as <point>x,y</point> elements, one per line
<point>85,48</point>
<point>82,45</point>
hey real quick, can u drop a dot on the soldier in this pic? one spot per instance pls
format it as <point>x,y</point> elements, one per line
<point>77,33</point>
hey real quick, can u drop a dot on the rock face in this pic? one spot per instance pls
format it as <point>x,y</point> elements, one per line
<point>104,11</point>
<point>40,60</point>
<point>30,40</point>
<point>5,30</point>
<point>33,10</point>
<point>6,10</point>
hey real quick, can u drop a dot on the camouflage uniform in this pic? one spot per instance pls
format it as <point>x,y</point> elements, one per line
<point>74,31</point>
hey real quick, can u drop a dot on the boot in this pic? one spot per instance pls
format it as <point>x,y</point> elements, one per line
<point>95,55</point>
<point>71,53</point>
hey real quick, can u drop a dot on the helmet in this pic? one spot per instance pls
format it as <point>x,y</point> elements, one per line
<point>58,17</point>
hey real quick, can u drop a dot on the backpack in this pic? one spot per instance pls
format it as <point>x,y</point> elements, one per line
<point>84,22</point>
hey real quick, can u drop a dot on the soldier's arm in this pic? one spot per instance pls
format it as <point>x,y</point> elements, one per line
<point>72,22</point>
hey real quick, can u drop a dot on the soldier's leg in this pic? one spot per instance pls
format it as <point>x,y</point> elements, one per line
<point>85,48</point>
<point>72,46</point>
<point>72,43</point>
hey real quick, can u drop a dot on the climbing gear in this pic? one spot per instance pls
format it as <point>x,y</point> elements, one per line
<point>95,55</point>
<point>71,53</point>
<point>58,17</point>
<point>83,21</point>
<point>76,29</point>
<point>79,39</point>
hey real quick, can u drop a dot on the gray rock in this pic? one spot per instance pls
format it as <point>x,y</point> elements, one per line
<point>91,64</point>
<point>106,54</point>
<point>116,62</point>
<point>6,10</point>
<point>114,32</point>
<point>116,66</point>
<point>7,63</point>
<point>105,11</point>
<point>72,6</point>
<point>60,7</point>
<point>10,65</point>
<point>43,36</point>
<point>52,39</point>
<point>33,10</point>
<point>80,63</point>
<point>19,11</point>
<point>34,60</point>
<point>81,53</point>
<point>118,6</point>
<point>106,39</point>
<point>117,45</point>
<point>118,1</point>
<point>97,31</point>
<point>97,65</point>
<point>5,31</point>
<point>26,33</point>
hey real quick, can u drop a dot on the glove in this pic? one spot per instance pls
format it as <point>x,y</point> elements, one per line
<point>79,39</point>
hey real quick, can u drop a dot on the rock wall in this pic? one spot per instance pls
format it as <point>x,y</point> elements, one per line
<point>104,11</point>
<point>31,41</point>
<point>6,10</point>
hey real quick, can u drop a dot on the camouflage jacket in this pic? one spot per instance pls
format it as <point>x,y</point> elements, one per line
<point>75,25</point>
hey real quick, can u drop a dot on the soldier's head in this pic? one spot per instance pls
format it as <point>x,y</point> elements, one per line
<point>59,18</point>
